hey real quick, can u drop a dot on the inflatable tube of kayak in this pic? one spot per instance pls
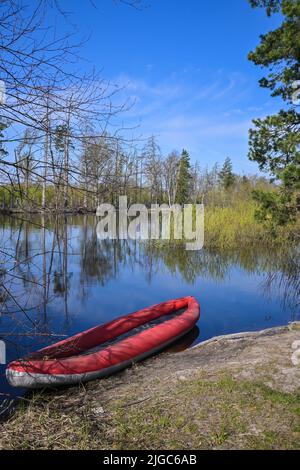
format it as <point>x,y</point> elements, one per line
<point>65,362</point>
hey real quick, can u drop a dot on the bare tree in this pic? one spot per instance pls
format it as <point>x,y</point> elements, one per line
<point>43,93</point>
<point>153,168</point>
<point>24,157</point>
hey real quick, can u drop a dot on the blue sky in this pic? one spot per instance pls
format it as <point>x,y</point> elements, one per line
<point>184,65</point>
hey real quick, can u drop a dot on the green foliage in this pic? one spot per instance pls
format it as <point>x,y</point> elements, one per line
<point>275,140</point>
<point>276,208</point>
<point>183,179</point>
<point>226,174</point>
<point>279,50</point>
<point>271,6</point>
<point>291,176</point>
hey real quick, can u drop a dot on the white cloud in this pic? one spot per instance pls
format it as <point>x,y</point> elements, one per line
<point>210,114</point>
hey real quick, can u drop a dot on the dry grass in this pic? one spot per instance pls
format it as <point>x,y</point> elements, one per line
<point>198,413</point>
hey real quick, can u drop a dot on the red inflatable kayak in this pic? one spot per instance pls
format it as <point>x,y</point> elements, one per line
<point>70,361</point>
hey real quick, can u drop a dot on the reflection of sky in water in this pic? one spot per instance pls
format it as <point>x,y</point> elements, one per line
<point>106,279</point>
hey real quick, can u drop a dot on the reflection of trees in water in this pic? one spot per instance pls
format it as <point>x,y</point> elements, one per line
<point>17,278</point>
<point>280,267</point>
<point>101,260</point>
<point>284,282</point>
<point>28,254</point>
<point>205,263</point>
<point>61,283</point>
<point>189,264</point>
<point>38,259</point>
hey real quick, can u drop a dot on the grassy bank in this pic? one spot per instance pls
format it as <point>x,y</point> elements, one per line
<point>227,394</point>
<point>236,226</point>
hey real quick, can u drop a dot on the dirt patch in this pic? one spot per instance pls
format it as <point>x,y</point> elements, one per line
<point>238,391</point>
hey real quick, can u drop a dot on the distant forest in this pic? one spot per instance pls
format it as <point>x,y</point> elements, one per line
<point>79,177</point>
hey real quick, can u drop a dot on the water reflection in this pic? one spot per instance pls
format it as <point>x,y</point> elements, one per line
<point>185,342</point>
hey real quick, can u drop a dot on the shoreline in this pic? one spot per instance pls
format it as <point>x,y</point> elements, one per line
<point>234,391</point>
<point>79,211</point>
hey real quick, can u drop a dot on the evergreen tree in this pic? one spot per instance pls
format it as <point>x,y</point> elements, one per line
<point>184,179</point>
<point>275,140</point>
<point>226,175</point>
